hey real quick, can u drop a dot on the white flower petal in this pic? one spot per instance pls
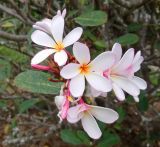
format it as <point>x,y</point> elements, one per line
<point>105,115</point>
<point>44,25</point>
<point>42,55</point>
<point>60,57</point>
<point>127,85</point>
<point>57,27</point>
<point>75,113</point>
<point>125,61</point>
<point>64,13</point>
<point>41,38</point>
<point>136,98</point>
<point>73,36</point>
<point>141,84</point>
<point>118,92</point>
<point>59,101</point>
<point>137,57</point>
<point>98,82</point>
<point>90,126</point>
<point>103,62</point>
<point>117,51</point>
<point>58,12</point>
<point>70,70</point>
<point>81,53</point>
<point>77,85</point>
<point>91,92</point>
<point>137,65</point>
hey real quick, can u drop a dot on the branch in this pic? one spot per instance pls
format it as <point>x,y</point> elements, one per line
<point>12,36</point>
<point>11,12</point>
<point>28,21</point>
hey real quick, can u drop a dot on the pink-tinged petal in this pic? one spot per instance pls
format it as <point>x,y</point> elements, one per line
<point>57,27</point>
<point>126,84</point>
<point>141,84</point>
<point>105,115</point>
<point>98,82</point>
<point>41,56</point>
<point>41,38</point>
<point>59,101</point>
<point>81,53</point>
<point>75,113</point>
<point>64,13</point>
<point>77,85</point>
<point>90,126</point>
<point>70,70</point>
<point>60,57</point>
<point>44,25</point>
<point>117,51</point>
<point>137,57</point>
<point>102,62</point>
<point>137,65</point>
<point>41,67</point>
<point>118,92</point>
<point>64,109</point>
<point>72,37</point>
<point>125,61</point>
<point>136,98</point>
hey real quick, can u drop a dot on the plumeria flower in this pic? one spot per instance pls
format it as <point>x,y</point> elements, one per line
<point>62,103</point>
<point>55,44</point>
<point>87,114</point>
<point>85,69</point>
<point>122,73</point>
<point>91,92</point>
<point>45,24</point>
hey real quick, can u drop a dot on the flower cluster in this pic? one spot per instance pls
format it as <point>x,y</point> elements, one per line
<point>82,77</point>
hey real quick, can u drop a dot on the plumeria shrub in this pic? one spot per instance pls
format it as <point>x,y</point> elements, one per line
<point>75,76</point>
<point>80,79</point>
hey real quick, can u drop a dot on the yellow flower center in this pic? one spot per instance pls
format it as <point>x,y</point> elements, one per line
<point>84,69</point>
<point>58,46</point>
<point>70,98</point>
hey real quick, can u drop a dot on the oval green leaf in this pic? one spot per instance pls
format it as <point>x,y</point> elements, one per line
<point>92,18</point>
<point>27,104</point>
<point>128,39</point>
<point>37,82</point>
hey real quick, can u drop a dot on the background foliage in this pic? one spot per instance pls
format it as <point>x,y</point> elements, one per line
<point>27,109</point>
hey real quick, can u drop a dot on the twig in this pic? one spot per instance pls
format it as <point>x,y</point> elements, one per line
<point>11,12</point>
<point>28,21</point>
<point>13,36</point>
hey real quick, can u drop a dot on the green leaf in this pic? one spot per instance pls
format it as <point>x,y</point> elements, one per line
<point>122,114</point>
<point>13,55</point>
<point>109,139</point>
<point>70,136</point>
<point>83,137</point>
<point>5,70</point>
<point>128,39</point>
<point>27,104</point>
<point>5,73</point>
<point>157,44</point>
<point>37,81</point>
<point>14,123</point>
<point>134,27</point>
<point>7,24</point>
<point>92,18</point>
<point>143,103</point>
<point>3,104</point>
<point>101,125</point>
<point>100,44</point>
